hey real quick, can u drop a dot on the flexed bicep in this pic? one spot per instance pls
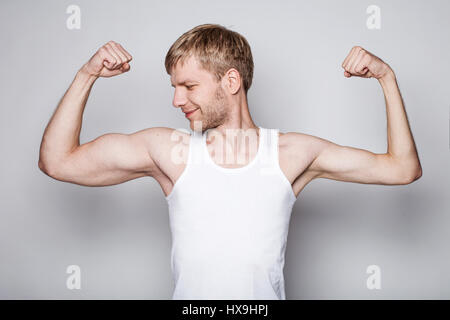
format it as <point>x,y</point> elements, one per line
<point>326,159</point>
<point>350,164</point>
<point>110,159</point>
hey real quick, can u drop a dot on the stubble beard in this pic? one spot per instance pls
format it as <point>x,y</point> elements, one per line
<point>216,112</point>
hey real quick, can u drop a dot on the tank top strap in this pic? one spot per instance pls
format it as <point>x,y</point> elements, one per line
<point>195,148</point>
<point>270,152</point>
<point>274,146</point>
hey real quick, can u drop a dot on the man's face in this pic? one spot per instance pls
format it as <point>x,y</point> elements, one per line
<point>197,89</point>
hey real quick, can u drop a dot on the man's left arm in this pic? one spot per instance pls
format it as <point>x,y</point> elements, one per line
<point>400,164</point>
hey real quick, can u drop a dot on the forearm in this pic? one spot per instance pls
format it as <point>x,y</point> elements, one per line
<point>62,133</point>
<point>401,146</point>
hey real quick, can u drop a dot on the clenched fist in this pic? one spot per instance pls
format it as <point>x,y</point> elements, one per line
<point>361,63</point>
<point>110,60</point>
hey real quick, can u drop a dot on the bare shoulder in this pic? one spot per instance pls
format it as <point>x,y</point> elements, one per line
<point>300,145</point>
<point>163,136</point>
<point>298,139</point>
<point>296,153</point>
<point>168,148</point>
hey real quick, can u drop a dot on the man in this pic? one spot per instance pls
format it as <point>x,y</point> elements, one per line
<point>229,218</point>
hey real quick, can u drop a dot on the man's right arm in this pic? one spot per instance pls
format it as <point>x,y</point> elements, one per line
<point>109,159</point>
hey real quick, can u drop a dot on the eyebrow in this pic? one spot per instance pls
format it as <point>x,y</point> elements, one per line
<point>184,82</point>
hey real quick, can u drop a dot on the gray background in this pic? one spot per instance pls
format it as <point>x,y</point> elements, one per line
<point>119,235</point>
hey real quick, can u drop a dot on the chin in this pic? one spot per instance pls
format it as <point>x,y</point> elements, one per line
<point>203,126</point>
<point>191,125</point>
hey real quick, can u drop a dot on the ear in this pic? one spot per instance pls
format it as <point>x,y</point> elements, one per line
<point>232,80</point>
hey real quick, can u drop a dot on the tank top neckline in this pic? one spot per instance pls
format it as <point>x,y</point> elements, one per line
<point>233,170</point>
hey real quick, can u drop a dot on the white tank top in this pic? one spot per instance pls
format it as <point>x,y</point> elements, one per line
<point>230,225</point>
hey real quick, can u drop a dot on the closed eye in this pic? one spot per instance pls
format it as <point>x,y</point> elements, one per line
<point>189,87</point>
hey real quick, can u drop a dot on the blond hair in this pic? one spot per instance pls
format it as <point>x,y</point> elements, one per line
<point>216,48</point>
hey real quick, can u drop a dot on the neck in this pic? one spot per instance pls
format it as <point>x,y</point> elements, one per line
<point>237,125</point>
<point>238,118</point>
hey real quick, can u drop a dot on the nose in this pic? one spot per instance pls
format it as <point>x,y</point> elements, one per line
<point>179,98</point>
